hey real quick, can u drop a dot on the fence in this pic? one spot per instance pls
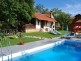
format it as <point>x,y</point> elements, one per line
<point>9,31</point>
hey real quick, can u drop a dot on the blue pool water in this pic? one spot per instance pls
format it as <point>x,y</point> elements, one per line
<point>68,51</point>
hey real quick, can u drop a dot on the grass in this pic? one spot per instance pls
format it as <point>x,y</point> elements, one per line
<point>16,41</point>
<point>45,34</point>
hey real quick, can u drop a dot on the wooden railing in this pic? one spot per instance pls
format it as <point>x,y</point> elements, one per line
<point>29,26</point>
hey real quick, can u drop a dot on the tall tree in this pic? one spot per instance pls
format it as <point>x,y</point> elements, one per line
<point>62,17</point>
<point>31,4</point>
<point>26,9</point>
<point>12,10</point>
<point>41,9</point>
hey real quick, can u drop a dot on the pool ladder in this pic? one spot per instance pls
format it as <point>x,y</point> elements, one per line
<point>1,51</point>
<point>2,54</point>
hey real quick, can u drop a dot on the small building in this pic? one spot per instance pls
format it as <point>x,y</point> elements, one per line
<point>75,26</point>
<point>41,22</point>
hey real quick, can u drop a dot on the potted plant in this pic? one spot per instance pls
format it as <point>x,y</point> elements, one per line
<point>21,43</point>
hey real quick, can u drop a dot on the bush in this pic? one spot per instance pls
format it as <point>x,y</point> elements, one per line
<point>0,26</point>
<point>12,37</point>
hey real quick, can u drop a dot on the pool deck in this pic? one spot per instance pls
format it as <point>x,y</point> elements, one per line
<point>26,46</point>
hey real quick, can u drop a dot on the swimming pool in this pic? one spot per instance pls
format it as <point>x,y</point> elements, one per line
<point>67,51</point>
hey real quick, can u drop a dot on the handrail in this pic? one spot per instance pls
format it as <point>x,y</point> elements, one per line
<point>9,44</point>
<point>8,51</point>
<point>1,51</point>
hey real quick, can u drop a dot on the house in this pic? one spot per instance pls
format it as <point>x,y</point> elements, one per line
<point>75,26</point>
<point>41,22</point>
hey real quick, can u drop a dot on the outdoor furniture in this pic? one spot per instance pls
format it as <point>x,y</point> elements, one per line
<point>64,36</point>
<point>53,32</point>
<point>77,30</point>
<point>78,36</point>
<point>67,36</point>
<point>57,32</point>
<point>71,34</point>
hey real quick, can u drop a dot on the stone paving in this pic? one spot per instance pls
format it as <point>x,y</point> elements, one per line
<point>26,46</point>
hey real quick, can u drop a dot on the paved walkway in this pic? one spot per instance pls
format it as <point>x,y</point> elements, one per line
<point>18,48</point>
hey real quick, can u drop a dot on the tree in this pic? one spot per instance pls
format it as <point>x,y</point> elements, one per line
<point>55,11</point>
<point>65,19</point>
<point>31,4</point>
<point>13,10</point>
<point>46,11</point>
<point>7,11</point>
<point>26,9</point>
<point>41,9</point>
<point>62,17</point>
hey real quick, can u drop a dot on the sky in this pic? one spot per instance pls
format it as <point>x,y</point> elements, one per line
<point>69,6</point>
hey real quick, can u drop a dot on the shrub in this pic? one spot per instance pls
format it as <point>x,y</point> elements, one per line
<point>12,37</point>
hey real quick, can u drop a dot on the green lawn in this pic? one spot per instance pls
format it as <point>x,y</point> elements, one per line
<point>16,41</point>
<point>45,34</point>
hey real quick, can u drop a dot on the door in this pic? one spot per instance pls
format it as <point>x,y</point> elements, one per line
<point>42,24</point>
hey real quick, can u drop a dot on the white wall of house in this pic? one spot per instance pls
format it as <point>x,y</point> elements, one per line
<point>53,26</point>
<point>46,26</point>
<point>38,24</point>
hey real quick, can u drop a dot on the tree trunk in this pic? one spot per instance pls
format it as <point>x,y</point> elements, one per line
<point>62,27</point>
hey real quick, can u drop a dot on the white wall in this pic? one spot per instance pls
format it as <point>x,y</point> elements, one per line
<point>38,26</point>
<point>48,26</point>
<point>53,26</point>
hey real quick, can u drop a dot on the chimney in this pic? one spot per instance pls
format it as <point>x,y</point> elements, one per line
<point>51,16</point>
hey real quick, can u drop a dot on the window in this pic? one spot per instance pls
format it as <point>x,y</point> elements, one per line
<point>38,22</point>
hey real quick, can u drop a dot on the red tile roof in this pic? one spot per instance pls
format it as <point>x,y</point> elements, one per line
<point>78,21</point>
<point>44,17</point>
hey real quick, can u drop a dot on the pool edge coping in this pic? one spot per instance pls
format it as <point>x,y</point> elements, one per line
<point>30,50</point>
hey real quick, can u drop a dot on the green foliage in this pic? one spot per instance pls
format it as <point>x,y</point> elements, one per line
<point>5,25</point>
<point>16,41</point>
<point>44,34</point>
<point>12,21</point>
<point>62,17</point>
<point>13,36</point>
<point>41,9</point>
<point>10,10</point>
<point>0,26</point>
